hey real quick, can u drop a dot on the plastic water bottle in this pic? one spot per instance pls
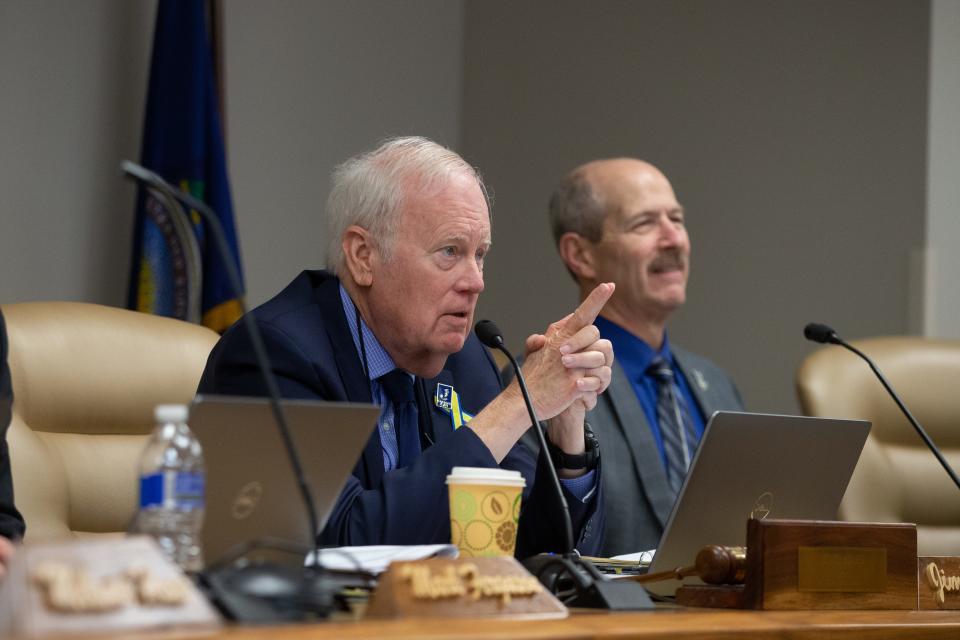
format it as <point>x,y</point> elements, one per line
<point>172,488</point>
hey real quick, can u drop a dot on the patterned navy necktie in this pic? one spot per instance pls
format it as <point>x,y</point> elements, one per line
<point>398,386</point>
<point>675,423</point>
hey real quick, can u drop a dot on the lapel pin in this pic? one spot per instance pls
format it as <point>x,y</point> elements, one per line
<point>701,381</point>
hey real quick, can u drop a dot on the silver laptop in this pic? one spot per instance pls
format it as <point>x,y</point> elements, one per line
<point>251,489</point>
<point>761,466</point>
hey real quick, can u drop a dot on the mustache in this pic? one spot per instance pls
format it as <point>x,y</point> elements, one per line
<point>667,260</point>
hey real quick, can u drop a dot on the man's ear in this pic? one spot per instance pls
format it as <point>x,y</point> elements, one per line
<point>360,253</point>
<point>577,253</point>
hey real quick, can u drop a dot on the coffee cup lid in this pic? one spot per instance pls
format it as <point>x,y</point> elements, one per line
<point>486,475</point>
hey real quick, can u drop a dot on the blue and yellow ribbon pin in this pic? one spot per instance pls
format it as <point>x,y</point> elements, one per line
<point>448,401</point>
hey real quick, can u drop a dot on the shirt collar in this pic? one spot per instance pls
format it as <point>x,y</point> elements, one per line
<point>633,354</point>
<point>379,361</point>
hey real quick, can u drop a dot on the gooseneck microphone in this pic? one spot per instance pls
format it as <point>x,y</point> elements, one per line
<point>151,180</point>
<point>825,335</point>
<point>490,335</point>
<point>575,581</point>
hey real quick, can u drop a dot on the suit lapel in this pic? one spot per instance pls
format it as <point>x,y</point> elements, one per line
<point>698,383</point>
<point>636,431</point>
<point>349,366</point>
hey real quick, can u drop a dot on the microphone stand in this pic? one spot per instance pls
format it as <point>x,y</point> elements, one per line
<point>312,596</point>
<point>823,334</point>
<point>587,587</point>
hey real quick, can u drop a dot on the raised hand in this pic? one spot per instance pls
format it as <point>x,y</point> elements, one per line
<point>570,362</point>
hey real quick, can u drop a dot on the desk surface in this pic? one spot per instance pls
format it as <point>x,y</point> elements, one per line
<point>663,623</point>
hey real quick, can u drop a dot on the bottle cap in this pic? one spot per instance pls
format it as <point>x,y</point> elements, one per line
<point>170,413</point>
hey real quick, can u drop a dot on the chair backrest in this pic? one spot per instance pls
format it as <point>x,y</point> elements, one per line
<point>85,380</point>
<point>897,478</point>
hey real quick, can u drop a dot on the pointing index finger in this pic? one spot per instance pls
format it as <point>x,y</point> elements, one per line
<point>588,310</point>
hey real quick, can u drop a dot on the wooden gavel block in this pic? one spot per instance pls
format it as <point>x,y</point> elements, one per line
<point>802,564</point>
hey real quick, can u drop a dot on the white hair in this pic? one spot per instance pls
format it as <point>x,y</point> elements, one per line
<point>368,190</point>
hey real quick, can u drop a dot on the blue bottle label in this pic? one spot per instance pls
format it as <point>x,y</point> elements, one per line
<point>151,490</point>
<point>172,490</point>
<point>189,490</point>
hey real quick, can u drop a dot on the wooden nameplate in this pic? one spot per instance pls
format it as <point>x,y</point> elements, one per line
<point>796,564</point>
<point>104,585</point>
<point>462,587</point>
<point>939,582</point>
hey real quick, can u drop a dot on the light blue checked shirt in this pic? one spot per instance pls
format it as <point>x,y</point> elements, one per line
<point>379,363</point>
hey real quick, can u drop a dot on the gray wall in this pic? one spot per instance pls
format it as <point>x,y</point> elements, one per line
<point>73,81</point>
<point>793,132</point>
<point>942,262</point>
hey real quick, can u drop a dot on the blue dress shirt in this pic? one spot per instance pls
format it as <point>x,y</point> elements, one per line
<point>379,363</point>
<point>635,356</point>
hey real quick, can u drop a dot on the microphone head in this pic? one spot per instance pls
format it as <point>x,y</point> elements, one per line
<point>489,334</point>
<point>821,333</point>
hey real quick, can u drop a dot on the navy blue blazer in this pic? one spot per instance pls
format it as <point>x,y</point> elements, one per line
<point>313,356</point>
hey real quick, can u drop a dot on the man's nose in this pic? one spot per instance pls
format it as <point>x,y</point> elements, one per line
<point>671,233</point>
<point>471,278</point>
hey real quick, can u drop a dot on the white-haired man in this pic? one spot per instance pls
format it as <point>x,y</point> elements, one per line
<point>409,230</point>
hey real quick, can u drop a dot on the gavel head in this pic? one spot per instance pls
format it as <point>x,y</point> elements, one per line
<point>716,564</point>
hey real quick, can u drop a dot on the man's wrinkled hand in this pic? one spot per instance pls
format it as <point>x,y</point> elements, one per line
<point>570,362</point>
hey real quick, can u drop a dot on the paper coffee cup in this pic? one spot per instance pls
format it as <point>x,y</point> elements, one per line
<point>484,510</point>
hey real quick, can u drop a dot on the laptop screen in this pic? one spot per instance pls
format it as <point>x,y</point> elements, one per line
<point>251,491</point>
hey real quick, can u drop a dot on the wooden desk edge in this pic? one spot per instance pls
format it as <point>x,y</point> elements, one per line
<point>666,623</point>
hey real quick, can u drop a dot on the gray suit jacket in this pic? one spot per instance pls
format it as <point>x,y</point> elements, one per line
<point>637,500</point>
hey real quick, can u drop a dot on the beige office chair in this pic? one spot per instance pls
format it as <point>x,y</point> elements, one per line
<point>85,380</point>
<point>897,478</point>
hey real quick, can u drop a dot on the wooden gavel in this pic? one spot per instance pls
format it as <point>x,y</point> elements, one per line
<point>714,564</point>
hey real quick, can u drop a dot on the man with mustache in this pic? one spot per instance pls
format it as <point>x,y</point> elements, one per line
<point>391,323</point>
<point>618,220</point>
